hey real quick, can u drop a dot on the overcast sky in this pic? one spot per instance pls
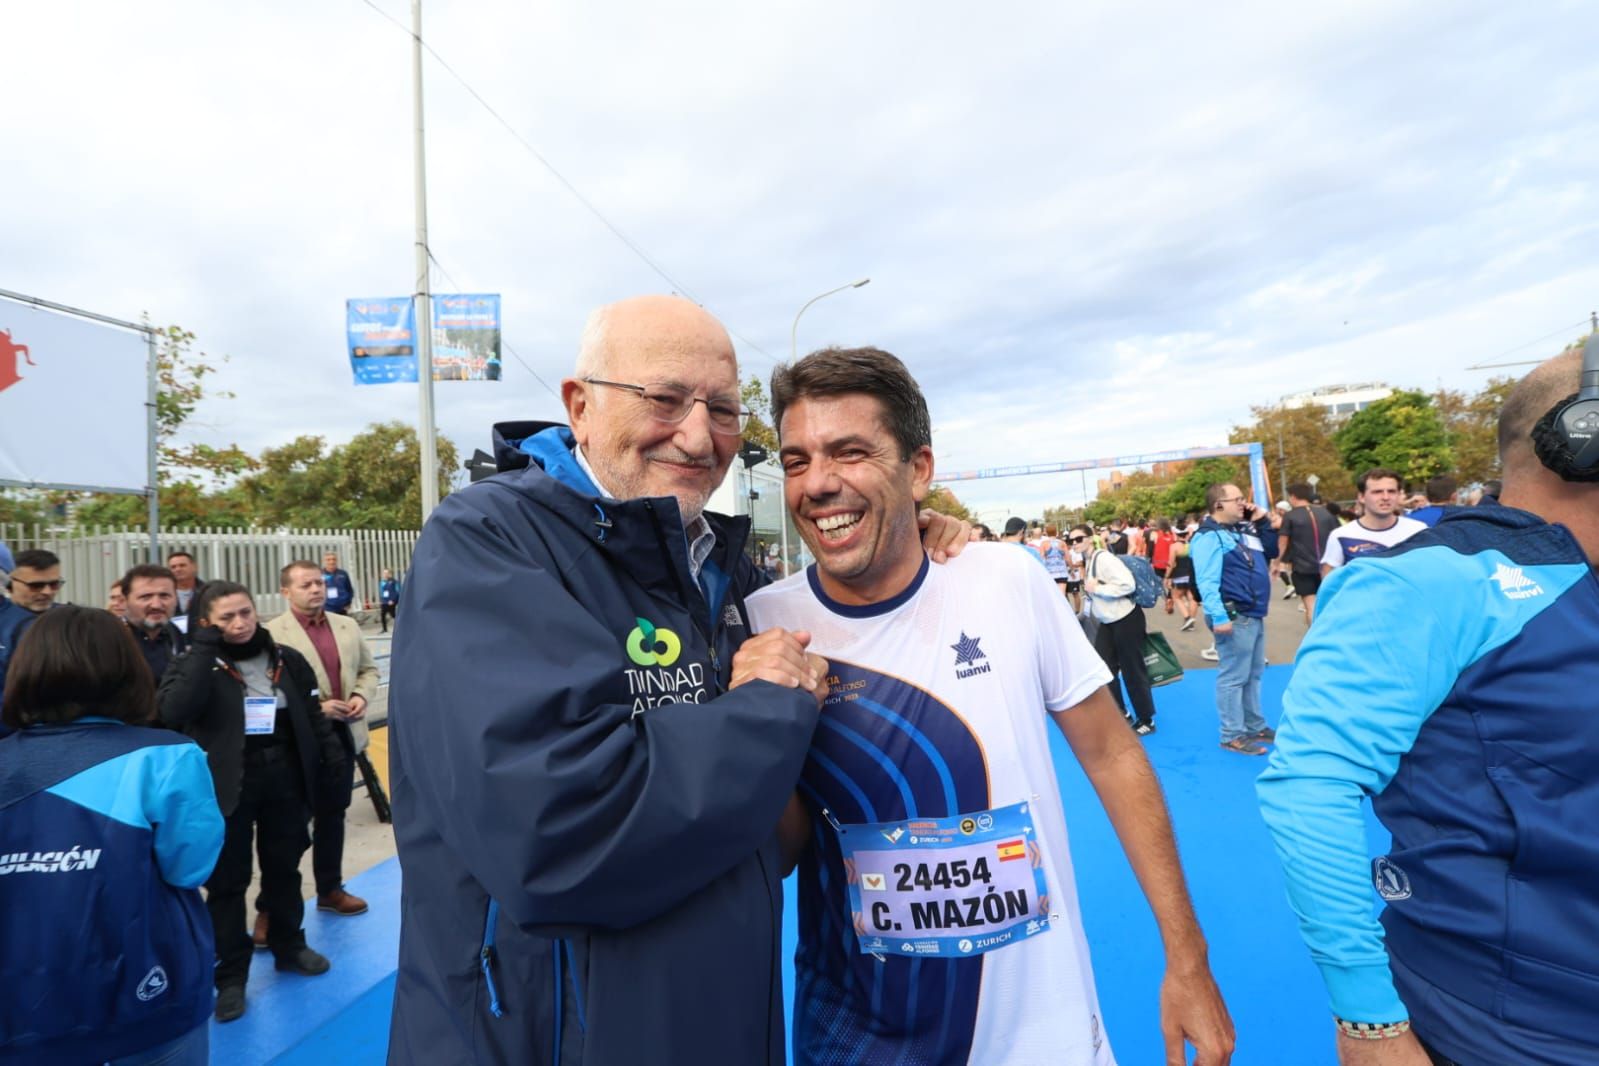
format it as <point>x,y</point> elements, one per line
<point>1091,229</point>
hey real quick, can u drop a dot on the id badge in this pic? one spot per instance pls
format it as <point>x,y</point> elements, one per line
<point>260,715</point>
<point>946,887</point>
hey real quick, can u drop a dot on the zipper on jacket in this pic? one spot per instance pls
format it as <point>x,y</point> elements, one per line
<point>577,990</point>
<point>486,960</point>
<point>555,1059</point>
<point>687,594</point>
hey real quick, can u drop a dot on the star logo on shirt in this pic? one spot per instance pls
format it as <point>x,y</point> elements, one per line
<point>966,649</point>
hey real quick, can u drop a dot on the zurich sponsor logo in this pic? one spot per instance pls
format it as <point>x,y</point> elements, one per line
<point>1393,884</point>
<point>965,946</point>
<point>154,983</point>
<point>1515,584</point>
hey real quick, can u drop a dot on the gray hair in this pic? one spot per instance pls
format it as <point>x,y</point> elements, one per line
<point>593,351</point>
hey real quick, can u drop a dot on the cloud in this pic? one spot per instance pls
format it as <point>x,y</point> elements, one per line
<point>1090,229</point>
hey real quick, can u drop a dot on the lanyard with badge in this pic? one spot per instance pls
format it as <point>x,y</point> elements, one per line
<point>260,712</point>
<point>945,887</point>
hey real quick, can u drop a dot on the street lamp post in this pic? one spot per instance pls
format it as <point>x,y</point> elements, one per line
<point>793,334</point>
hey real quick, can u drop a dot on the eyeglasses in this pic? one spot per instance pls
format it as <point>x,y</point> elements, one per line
<point>39,586</point>
<point>1233,499</point>
<point>1075,540</point>
<point>671,404</point>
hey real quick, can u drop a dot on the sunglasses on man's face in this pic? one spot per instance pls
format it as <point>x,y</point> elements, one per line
<point>38,586</point>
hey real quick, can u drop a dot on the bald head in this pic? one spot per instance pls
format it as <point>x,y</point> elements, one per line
<point>1530,400</point>
<point>649,324</point>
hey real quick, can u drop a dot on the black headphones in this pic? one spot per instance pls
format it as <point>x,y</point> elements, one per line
<point>1567,438</point>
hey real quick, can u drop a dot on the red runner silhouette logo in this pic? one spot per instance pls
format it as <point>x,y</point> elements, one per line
<point>10,368</point>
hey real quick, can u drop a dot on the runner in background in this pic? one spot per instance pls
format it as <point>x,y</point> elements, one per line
<point>1053,550</point>
<point>1160,544</point>
<point>1180,578</point>
<point>1379,526</point>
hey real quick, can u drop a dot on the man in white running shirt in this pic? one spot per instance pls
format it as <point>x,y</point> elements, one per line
<point>938,909</point>
<point>1379,527</point>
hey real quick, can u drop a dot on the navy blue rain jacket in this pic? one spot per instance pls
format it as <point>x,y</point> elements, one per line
<point>585,816</point>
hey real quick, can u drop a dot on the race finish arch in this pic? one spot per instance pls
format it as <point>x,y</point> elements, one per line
<point>1257,466</point>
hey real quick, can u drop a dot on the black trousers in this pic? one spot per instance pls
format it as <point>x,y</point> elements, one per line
<point>272,807</point>
<point>1121,645</point>
<point>327,828</point>
<point>387,611</point>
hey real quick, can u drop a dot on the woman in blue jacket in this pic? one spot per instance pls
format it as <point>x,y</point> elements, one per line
<point>107,830</point>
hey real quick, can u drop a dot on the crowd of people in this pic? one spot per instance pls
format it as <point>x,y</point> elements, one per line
<point>146,750</point>
<point>612,736</point>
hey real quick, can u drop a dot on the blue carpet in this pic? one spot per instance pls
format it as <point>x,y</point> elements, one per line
<point>1275,995</point>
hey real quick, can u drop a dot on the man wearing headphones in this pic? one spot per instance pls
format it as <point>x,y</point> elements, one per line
<point>1451,679</point>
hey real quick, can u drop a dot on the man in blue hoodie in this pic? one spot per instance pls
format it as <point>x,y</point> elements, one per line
<point>1450,680</point>
<point>590,752</point>
<point>1232,554</point>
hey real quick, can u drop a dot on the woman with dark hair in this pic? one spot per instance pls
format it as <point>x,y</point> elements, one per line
<point>107,830</point>
<point>253,706</point>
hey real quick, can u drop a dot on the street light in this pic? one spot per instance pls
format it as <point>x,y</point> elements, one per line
<point>793,335</point>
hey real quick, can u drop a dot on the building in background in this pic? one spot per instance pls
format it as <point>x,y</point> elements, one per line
<point>1340,401</point>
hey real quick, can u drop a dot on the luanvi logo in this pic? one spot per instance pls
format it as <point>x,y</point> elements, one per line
<point>1514,584</point>
<point>966,654</point>
<point>154,983</point>
<point>10,368</point>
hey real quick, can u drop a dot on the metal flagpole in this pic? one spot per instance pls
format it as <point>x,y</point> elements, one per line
<point>154,499</point>
<point>426,437</point>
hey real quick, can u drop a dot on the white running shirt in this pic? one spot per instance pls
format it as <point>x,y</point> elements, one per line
<point>938,708</point>
<point>1347,542</point>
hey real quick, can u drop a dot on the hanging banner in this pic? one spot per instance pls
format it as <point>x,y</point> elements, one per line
<point>466,338</point>
<point>382,336</point>
<point>72,401</point>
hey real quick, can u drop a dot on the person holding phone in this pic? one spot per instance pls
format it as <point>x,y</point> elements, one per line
<point>1232,553</point>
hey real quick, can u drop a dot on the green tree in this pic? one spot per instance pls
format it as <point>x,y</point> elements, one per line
<point>368,483</point>
<point>1308,448</point>
<point>1187,493</point>
<point>1472,425</point>
<point>944,501</point>
<point>1403,432</point>
<point>758,430</point>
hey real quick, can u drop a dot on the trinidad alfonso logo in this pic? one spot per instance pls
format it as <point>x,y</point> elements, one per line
<point>648,646</point>
<point>10,353</point>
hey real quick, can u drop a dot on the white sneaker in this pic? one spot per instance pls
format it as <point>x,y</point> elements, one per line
<point>1209,655</point>
<point>1188,623</point>
<point>1289,593</point>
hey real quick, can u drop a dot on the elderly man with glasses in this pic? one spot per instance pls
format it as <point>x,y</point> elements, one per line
<point>590,752</point>
<point>33,584</point>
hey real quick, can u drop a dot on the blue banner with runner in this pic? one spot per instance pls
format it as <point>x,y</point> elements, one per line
<point>382,339</point>
<point>466,338</point>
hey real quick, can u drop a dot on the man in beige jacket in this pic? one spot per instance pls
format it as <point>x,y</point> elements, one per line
<point>348,679</point>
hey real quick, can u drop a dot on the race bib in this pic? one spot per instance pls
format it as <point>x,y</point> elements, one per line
<point>260,714</point>
<point>946,887</point>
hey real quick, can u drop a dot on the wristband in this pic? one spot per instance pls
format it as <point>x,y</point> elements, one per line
<point>1372,1030</point>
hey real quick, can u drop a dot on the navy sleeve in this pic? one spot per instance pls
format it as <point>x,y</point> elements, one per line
<point>510,735</point>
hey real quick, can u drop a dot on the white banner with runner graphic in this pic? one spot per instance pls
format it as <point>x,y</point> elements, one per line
<point>72,401</point>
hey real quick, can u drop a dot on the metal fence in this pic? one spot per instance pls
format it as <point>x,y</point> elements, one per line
<point>93,557</point>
